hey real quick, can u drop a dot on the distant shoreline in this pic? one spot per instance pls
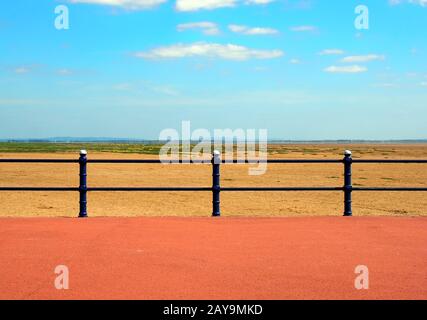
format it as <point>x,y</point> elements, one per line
<point>275,147</point>
<point>157,142</point>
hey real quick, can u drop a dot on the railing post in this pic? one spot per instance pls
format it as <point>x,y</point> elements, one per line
<point>348,187</point>
<point>83,184</point>
<point>216,188</point>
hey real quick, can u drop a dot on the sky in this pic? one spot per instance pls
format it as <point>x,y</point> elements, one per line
<point>302,69</point>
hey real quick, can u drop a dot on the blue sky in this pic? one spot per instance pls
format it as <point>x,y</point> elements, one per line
<point>131,68</point>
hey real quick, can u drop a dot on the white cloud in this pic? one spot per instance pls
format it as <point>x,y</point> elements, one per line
<point>422,3</point>
<point>124,86</point>
<point>346,69</point>
<point>260,69</point>
<point>252,31</point>
<point>385,85</point>
<point>41,69</point>
<point>294,61</point>
<point>25,69</point>
<point>195,5</point>
<point>304,29</point>
<point>237,28</point>
<point>126,4</point>
<point>211,50</point>
<point>165,90</point>
<point>423,84</point>
<point>64,72</point>
<point>208,28</point>
<point>259,1</point>
<point>365,58</point>
<point>22,70</point>
<point>328,52</point>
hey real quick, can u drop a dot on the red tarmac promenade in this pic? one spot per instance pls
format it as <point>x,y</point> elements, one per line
<point>213,258</point>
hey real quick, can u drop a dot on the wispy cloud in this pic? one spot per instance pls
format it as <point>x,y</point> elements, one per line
<point>294,61</point>
<point>124,86</point>
<point>298,4</point>
<point>252,30</point>
<point>126,4</point>
<point>25,69</point>
<point>346,69</point>
<point>385,85</point>
<point>259,1</point>
<point>64,72</point>
<point>21,70</point>
<point>328,52</point>
<point>260,69</point>
<point>165,90</point>
<point>208,28</point>
<point>195,5</point>
<point>303,28</point>
<point>210,50</point>
<point>422,3</point>
<point>365,58</point>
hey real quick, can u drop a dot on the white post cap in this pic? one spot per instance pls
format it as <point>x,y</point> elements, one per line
<point>216,153</point>
<point>347,152</point>
<point>83,152</point>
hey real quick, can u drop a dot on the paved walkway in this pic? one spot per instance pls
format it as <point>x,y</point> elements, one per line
<point>211,258</point>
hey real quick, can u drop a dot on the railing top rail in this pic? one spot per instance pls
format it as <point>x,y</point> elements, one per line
<point>208,161</point>
<point>64,189</point>
<point>285,161</point>
<point>39,161</point>
<point>389,161</point>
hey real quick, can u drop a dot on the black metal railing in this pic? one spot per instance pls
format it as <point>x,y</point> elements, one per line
<point>216,188</point>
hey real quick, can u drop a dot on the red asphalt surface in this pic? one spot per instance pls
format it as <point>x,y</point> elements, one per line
<point>213,258</point>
